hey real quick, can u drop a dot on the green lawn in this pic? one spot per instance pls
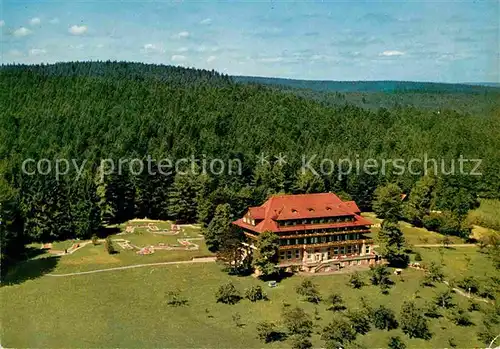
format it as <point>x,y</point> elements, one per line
<point>487,215</point>
<point>127,309</point>
<point>413,235</point>
<point>92,257</point>
<point>460,261</point>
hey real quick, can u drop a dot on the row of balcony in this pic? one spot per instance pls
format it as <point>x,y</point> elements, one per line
<point>329,243</point>
<point>302,234</point>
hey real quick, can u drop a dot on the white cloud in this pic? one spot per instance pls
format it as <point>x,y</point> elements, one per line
<point>211,59</point>
<point>15,53</point>
<point>23,31</point>
<point>78,29</point>
<point>76,47</point>
<point>35,21</point>
<point>2,23</point>
<point>182,49</point>
<point>271,59</point>
<point>206,21</point>
<point>152,48</point>
<point>392,53</point>
<point>37,51</point>
<point>207,49</point>
<point>178,58</point>
<point>181,35</point>
<point>54,20</point>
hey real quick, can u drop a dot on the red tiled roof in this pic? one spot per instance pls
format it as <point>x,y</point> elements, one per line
<point>291,207</point>
<point>257,212</point>
<point>352,206</point>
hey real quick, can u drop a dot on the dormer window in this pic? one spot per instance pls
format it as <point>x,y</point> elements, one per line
<point>310,209</point>
<point>294,210</point>
<point>328,208</point>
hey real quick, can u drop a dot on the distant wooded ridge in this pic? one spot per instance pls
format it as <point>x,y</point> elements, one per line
<point>145,70</point>
<point>371,86</point>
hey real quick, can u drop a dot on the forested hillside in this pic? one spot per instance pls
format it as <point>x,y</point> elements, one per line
<point>94,111</point>
<point>475,99</point>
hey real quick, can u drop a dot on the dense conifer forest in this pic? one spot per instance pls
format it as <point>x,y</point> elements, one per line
<point>112,110</point>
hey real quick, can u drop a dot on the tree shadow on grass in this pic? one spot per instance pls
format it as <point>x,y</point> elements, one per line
<point>107,231</point>
<point>29,270</point>
<point>277,336</point>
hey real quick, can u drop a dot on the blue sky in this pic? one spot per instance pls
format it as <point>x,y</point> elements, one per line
<point>447,41</point>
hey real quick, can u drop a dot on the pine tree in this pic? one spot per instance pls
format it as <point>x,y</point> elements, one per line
<point>387,202</point>
<point>219,228</point>
<point>266,253</point>
<point>393,244</point>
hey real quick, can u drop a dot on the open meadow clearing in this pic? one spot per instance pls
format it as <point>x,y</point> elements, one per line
<point>413,235</point>
<point>127,308</point>
<point>487,215</point>
<point>92,257</point>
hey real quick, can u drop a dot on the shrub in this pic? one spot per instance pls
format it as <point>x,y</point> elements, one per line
<point>432,310</point>
<point>297,321</point>
<point>237,320</point>
<point>266,332</point>
<point>469,283</point>
<point>301,342</point>
<point>432,222</point>
<point>473,306</point>
<point>418,257</point>
<point>95,240</point>
<point>444,299</point>
<point>255,293</point>
<point>413,323</point>
<point>338,332</point>
<point>335,302</point>
<point>461,317</point>
<point>227,294</point>
<point>384,318</point>
<point>174,299</point>
<point>109,246</point>
<point>309,291</point>
<point>380,276</point>
<point>356,281</point>
<point>396,343</point>
<point>360,321</point>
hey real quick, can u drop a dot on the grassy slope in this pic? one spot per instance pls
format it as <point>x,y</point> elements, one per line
<point>456,264</point>
<point>95,257</point>
<point>487,215</point>
<point>127,309</point>
<point>413,235</point>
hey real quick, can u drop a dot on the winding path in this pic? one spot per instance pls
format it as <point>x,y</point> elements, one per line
<point>195,260</point>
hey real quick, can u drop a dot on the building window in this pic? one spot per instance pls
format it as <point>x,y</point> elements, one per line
<point>335,250</point>
<point>367,249</point>
<point>297,254</point>
<point>323,239</point>
<point>349,249</point>
<point>342,250</point>
<point>282,255</point>
<point>289,254</point>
